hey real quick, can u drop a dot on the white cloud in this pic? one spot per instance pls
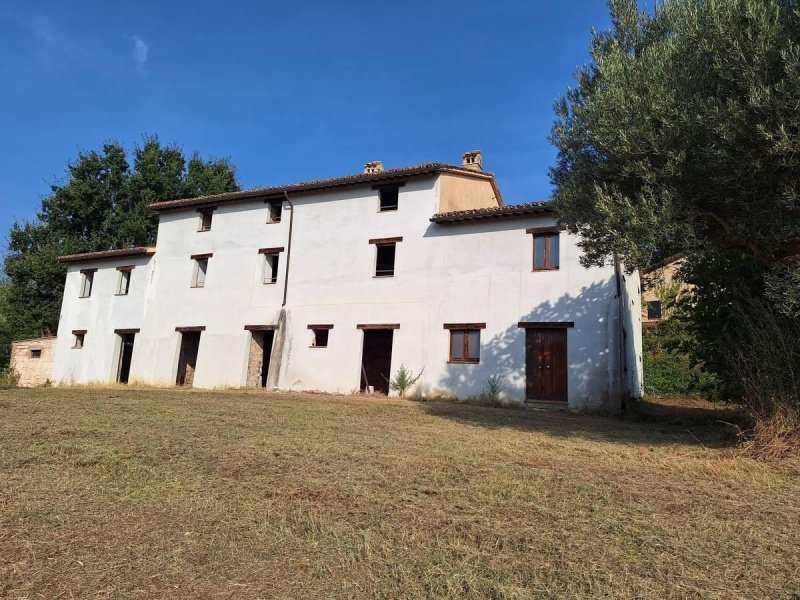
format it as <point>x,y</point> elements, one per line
<point>140,51</point>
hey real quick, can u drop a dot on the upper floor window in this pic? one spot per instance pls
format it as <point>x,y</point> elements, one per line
<point>200,269</point>
<point>124,282</point>
<point>87,279</point>
<point>465,342</point>
<point>654,309</point>
<point>275,210</point>
<point>388,196</point>
<point>270,264</point>
<point>206,215</point>
<point>385,250</point>
<point>36,353</point>
<point>545,248</point>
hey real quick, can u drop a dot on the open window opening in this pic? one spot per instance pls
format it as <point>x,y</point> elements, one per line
<point>77,338</point>
<point>124,283</point>
<point>36,353</point>
<point>206,215</point>
<point>271,268</point>
<point>200,270</point>
<point>389,199</point>
<point>275,210</point>
<point>384,260</point>
<point>87,279</point>
<point>319,335</point>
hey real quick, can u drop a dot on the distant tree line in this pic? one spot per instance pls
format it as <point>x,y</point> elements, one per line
<point>102,204</point>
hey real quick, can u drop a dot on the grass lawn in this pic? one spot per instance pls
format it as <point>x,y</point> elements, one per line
<point>115,493</point>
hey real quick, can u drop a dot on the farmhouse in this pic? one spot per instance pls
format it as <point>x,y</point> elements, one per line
<point>334,284</point>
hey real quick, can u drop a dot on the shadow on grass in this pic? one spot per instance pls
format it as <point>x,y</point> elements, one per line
<point>691,425</point>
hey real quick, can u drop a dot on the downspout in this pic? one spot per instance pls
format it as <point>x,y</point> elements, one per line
<point>288,247</point>
<point>623,391</point>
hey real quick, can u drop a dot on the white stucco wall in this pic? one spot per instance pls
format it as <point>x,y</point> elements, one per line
<point>479,272</point>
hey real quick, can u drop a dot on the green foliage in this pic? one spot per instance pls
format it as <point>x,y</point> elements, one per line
<point>103,204</point>
<point>493,387</point>
<point>682,135</point>
<point>403,380</point>
<point>668,368</point>
<point>8,378</point>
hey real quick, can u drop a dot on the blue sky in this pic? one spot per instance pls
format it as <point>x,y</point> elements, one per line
<point>288,91</point>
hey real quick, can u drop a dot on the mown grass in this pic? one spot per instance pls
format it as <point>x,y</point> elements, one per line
<point>170,494</point>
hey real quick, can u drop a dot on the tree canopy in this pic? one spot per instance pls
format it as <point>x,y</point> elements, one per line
<point>102,204</point>
<point>682,135</point>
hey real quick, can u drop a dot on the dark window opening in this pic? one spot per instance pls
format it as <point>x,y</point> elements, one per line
<point>275,210</point>
<point>389,199</point>
<point>384,262</point>
<point>271,268</point>
<point>654,309</point>
<point>78,341</point>
<point>86,283</point>
<point>320,338</point>
<point>465,345</point>
<point>545,252</point>
<point>37,353</point>
<point>205,220</point>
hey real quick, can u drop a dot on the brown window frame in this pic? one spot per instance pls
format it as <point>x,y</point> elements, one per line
<point>547,233</point>
<point>320,330</point>
<point>270,254</point>
<point>383,243</point>
<point>465,329</point>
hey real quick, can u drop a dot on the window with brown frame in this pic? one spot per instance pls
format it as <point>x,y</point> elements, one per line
<point>465,345</point>
<point>546,251</point>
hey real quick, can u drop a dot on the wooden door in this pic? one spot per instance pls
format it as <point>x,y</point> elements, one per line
<point>546,365</point>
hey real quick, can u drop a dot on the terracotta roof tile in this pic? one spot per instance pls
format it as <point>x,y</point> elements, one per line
<point>501,212</point>
<point>108,254</point>
<point>320,184</point>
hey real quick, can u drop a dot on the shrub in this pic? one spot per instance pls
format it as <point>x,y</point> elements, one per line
<point>403,380</point>
<point>668,368</point>
<point>8,378</point>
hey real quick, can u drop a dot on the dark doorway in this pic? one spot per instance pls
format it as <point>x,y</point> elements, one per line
<point>546,365</point>
<point>258,360</point>
<point>187,359</point>
<point>376,359</point>
<point>125,355</point>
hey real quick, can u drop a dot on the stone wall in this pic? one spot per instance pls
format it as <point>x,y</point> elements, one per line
<point>33,360</point>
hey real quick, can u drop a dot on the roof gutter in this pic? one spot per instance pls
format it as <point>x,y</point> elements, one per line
<point>288,247</point>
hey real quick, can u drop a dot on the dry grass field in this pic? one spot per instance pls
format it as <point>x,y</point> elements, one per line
<point>115,493</point>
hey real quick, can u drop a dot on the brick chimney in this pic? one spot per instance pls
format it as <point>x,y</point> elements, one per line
<point>376,166</point>
<point>473,160</point>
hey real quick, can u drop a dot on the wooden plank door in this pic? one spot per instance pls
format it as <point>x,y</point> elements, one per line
<point>546,365</point>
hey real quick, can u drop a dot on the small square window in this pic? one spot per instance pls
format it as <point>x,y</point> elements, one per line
<point>36,353</point>
<point>320,338</point>
<point>384,260</point>
<point>389,199</point>
<point>124,284</point>
<point>271,268</point>
<point>205,220</point>
<point>87,278</point>
<point>545,252</point>
<point>465,345</point>
<point>275,210</point>
<point>200,270</point>
<point>77,342</point>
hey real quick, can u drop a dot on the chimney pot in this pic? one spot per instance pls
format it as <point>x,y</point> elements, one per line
<point>376,166</point>
<point>473,160</point>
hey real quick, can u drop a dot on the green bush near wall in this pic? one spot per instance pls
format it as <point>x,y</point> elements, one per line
<point>668,369</point>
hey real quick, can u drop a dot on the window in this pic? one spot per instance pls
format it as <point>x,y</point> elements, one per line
<point>36,353</point>
<point>206,214</point>
<point>654,309</point>
<point>200,269</point>
<point>545,250</point>
<point>87,277</point>
<point>77,340</point>
<point>124,283</point>
<point>270,264</point>
<point>275,210</point>
<point>389,199</point>
<point>465,345</point>
<point>320,335</point>
<point>384,263</point>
